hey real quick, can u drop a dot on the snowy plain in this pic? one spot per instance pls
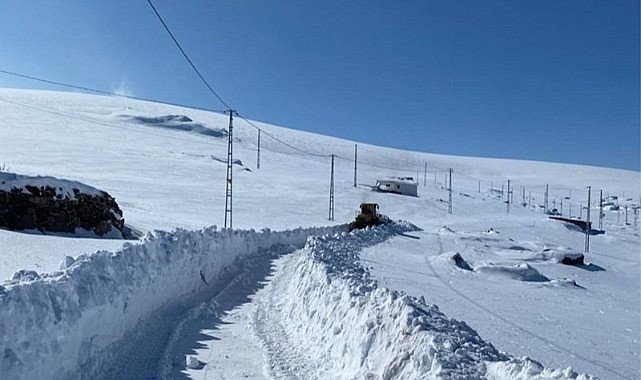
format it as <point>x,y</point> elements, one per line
<point>514,299</point>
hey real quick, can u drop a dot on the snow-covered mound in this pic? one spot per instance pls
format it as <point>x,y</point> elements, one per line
<point>54,325</point>
<point>520,272</point>
<point>178,122</point>
<point>64,188</point>
<point>355,328</point>
<point>52,205</point>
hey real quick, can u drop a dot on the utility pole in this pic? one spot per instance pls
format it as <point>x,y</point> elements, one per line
<point>511,194</point>
<point>587,223</point>
<point>230,160</point>
<point>331,192</point>
<point>479,186</point>
<point>449,208</point>
<point>355,162</point>
<point>502,191</point>
<point>425,175</point>
<point>601,209</point>
<point>258,156</point>
<point>529,199</point>
<point>508,196</point>
<point>545,200</point>
<point>523,194</point>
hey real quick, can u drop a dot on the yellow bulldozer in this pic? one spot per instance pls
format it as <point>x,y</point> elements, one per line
<point>368,217</point>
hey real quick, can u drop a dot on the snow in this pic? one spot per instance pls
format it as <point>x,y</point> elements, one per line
<point>44,253</point>
<point>64,188</point>
<point>65,320</point>
<point>582,313</point>
<point>387,301</point>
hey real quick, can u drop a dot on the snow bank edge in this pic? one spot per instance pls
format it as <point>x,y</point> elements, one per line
<point>50,326</point>
<point>363,330</point>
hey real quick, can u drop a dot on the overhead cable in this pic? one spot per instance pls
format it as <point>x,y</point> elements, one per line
<point>249,122</point>
<point>186,56</point>
<point>283,142</point>
<point>103,92</point>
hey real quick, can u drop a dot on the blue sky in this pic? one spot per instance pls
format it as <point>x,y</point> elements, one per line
<point>540,80</point>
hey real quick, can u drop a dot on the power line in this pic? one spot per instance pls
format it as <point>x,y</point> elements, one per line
<point>186,56</point>
<point>111,93</point>
<point>283,142</point>
<point>249,122</point>
<point>375,165</point>
<point>479,179</point>
<point>294,148</point>
<point>93,120</point>
<point>57,83</point>
<point>215,93</point>
<point>103,92</point>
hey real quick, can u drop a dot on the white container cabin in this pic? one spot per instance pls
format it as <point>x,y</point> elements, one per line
<point>398,185</point>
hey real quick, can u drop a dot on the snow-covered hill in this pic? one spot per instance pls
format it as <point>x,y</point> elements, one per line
<point>165,166</point>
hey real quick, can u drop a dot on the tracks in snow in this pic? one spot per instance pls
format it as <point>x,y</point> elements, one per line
<point>548,342</point>
<point>284,359</point>
<point>238,333</point>
<point>214,332</point>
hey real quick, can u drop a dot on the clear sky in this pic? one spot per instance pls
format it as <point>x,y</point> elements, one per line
<point>543,80</point>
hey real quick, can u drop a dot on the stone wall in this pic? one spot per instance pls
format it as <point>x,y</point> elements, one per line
<point>43,208</point>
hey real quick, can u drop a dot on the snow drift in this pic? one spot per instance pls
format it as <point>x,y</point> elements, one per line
<point>53,325</point>
<point>178,122</point>
<point>354,328</point>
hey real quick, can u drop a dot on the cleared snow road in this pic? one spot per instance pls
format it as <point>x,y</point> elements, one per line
<point>238,333</point>
<point>312,313</point>
<point>218,333</point>
<point>214,329</point>
<point>209,328</point>
<point>284,359</point>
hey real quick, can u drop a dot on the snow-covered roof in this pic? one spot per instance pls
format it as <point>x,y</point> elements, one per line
<point>407,180</point>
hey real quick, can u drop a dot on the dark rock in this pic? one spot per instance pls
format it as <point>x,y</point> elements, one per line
<point>41,208</point>
<point>460,262</point>
<point>25,275</point>
<point>573,260</point>
<point>66,262</point>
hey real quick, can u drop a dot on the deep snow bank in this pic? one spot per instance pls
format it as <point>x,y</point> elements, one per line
<point>52,325</point>
<point>357,329</point>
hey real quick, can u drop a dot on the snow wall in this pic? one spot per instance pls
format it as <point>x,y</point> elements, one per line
<point>52,326</point>
<point>358,329</point>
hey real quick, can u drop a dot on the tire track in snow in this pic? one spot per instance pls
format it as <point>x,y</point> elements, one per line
<point>282,359</point>
<point>511,323</point>
<point>202,326</point>
<point>395,268</point>
<point>211,311</point>
<point>616,258</point>
<point>138,355</point>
